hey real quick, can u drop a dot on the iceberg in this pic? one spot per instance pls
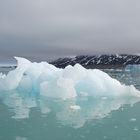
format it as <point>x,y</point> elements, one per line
<point>133,68</point>
<point>47,80</point>
<point>79,93</point>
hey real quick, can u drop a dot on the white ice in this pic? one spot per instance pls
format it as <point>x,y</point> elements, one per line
<point>47,80</point>
<point>33,84</point>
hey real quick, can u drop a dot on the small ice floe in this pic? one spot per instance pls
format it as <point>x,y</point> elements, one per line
<point>132,119</point>
<point>135,129</point>
<point>105,137</point>
<point>75,107</point>
<point>104,98</point>
<point>20,138</point>
<point>115,126</point>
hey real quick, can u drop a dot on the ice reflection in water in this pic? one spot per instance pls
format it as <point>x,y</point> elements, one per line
<point>72,112</point>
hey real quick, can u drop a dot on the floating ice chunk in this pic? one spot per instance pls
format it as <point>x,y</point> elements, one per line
<point>60,90</point>
<point>115,126</point>
<point>20,138</point>
<point>75,107</point>
<point>104,98</point>
<point>132,119</point>
<point>135,129</point>
<point>47,80</point>
<point>133,68</point>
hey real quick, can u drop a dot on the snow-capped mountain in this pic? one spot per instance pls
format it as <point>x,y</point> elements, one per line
<point>98,61</point>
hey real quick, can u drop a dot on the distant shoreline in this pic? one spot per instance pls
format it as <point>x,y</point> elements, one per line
<point>99,61</point>
<point>93,61</point>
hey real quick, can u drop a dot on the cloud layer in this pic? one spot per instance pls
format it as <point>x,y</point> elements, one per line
<point>47,29</point>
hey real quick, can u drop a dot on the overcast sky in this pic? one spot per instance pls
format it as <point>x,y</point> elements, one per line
<point>42,29</point>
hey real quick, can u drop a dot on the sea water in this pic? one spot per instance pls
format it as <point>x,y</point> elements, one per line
<point>25,116</point>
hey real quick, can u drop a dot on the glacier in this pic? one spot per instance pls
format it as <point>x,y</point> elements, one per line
<point>76,94</point>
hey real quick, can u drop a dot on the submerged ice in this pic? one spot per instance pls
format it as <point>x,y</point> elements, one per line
<point>75,94</point>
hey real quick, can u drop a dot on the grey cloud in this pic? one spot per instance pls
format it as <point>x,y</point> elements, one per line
<point>56,28</point>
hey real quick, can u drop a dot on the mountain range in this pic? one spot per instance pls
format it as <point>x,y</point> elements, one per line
<point>98,61</point>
